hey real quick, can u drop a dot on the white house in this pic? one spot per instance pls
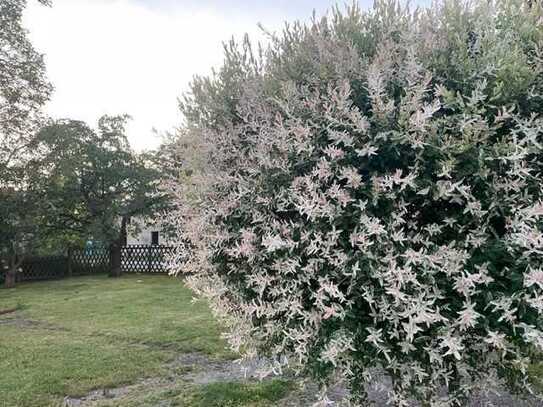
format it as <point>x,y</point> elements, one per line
<point>147,233</point>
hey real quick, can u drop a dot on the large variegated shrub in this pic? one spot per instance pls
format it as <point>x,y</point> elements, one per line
<point>366,194</point>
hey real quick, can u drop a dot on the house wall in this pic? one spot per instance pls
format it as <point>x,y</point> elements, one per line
<point>143,235</point>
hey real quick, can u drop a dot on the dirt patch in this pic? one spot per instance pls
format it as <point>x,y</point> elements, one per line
<point>19,321</point>
<point>195,368</point>
<point>7,311</point>
<point>199,369</point>
<point>190,368</point>
<point>203,370</point>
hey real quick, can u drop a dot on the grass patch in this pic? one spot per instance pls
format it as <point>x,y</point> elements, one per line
<point>72,336</point>
<point>41,366</point>
<point>536,375</point>
<point>143,309</point>
<point>240,394</point>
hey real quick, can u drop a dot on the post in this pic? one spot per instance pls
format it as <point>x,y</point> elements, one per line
<point>149,259</point>
<point>115,260</point>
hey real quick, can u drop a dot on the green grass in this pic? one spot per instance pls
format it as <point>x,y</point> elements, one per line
<point>240,394</point>
<point>136,309</point>
<point>71,336</point>
<point>536,374</point>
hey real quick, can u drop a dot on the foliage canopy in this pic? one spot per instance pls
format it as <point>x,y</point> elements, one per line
<point>91,179</point>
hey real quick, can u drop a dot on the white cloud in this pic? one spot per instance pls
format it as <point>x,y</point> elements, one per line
<point>138,56</point>
<point>114,56</point>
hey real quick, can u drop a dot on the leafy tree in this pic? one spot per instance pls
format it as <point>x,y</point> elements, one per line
<point>23,86</point>
<point>93,182</point>
<point>23,91</point>
<point>367,196</point>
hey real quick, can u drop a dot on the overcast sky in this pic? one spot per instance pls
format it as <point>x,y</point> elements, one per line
<point>138,56</point>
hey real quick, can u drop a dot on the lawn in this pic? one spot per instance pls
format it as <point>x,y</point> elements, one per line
<point>72,336</point>
<point>122,339</point>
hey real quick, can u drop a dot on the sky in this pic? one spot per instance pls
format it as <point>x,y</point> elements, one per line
<point>139,56</point>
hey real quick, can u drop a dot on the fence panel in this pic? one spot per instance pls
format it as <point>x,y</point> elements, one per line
<point>90,261</point>
<point>43,268</point>
<point>134,259</point>
<point>145,259</point>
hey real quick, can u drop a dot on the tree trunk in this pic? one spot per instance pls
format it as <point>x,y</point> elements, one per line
<point>11,276</point>
<point>115,250</point>
<point>14,263</point>
<point>115,260</point>
<point>70,262</point>
<point>123,235</point>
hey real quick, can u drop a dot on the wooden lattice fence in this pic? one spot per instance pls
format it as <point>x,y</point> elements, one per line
<point>43,268</point>
<point>144,258</point>
<point>36,268</point>
<point>89,261</point>
<point>134,259</point>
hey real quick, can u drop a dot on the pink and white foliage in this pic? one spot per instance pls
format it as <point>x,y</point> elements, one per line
<point>369,204</point>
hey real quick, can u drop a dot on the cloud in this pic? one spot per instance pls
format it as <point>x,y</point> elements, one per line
<point>117,56</point>
<point>138,56</point>
<point>265,9</point>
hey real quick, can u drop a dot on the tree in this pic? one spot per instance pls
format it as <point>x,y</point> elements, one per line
<point>94,182</point>
<point>20,210</point>
<point>369,197</point>
<point>23,86</point>
<point>23,91</point>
